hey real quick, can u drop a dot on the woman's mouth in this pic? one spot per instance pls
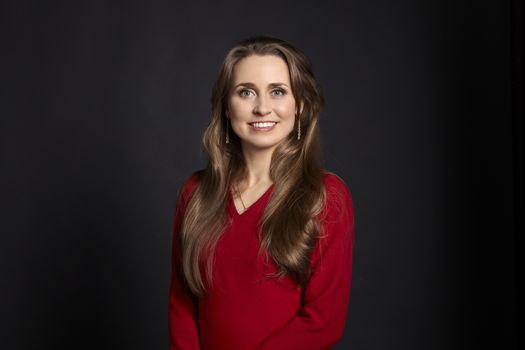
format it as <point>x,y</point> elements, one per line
<point>262,126</point>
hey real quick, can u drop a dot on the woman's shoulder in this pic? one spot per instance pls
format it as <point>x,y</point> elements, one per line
<point>338,196</point>
<point>334,183</point>
<point>190,183</point>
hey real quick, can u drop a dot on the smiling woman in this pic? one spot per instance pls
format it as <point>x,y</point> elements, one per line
<point>263,237</point>
<point>260,106</point>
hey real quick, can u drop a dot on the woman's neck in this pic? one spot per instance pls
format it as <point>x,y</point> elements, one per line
<point>257,166</point>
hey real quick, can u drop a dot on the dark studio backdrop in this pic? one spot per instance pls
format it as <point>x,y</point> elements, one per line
<point>102,109</point>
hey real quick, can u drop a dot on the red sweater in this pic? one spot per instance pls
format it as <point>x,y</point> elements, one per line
<point>243,310</point>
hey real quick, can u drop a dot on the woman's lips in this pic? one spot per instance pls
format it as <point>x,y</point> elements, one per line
<point>263,126</point>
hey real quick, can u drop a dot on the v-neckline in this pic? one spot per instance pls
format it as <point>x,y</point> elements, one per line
<point>254,204</point>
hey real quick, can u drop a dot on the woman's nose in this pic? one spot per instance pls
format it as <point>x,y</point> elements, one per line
<point>262,107</point>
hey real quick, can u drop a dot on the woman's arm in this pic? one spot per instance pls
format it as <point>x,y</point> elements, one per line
<point>321,321</point>
<point>182,318</point>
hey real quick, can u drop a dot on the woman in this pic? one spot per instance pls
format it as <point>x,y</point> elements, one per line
<point>263,237</point>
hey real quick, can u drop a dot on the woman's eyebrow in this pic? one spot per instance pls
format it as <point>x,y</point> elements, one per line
<point>277,84</point>
<point>252,85</point>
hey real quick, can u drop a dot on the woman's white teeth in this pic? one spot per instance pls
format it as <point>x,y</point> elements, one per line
<point>263,125</point>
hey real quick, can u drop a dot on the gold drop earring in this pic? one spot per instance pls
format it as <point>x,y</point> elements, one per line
<point>298,126</point>
<point>227,130</point>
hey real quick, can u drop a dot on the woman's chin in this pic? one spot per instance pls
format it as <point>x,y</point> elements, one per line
<point>260,146</point>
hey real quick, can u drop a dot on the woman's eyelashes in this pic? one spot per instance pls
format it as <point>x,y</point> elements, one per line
<point>245,92</point>
<point>279,92</point>
<point>273,92</point>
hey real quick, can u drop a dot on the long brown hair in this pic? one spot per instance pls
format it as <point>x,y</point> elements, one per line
<point>289,227</point>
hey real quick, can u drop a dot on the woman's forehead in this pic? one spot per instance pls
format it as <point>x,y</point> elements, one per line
<point>261,70</point>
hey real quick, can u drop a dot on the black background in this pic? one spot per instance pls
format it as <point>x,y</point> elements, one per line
<point>102,108</point>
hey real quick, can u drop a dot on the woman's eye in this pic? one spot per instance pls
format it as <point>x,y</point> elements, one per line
<point>278,92</point>
<point>244,93</point>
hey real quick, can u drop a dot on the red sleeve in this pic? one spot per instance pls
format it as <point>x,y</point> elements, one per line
<point>321,321</point>
<point>182,320</point>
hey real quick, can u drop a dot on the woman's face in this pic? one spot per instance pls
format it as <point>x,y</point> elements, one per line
<point>261,106</point>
